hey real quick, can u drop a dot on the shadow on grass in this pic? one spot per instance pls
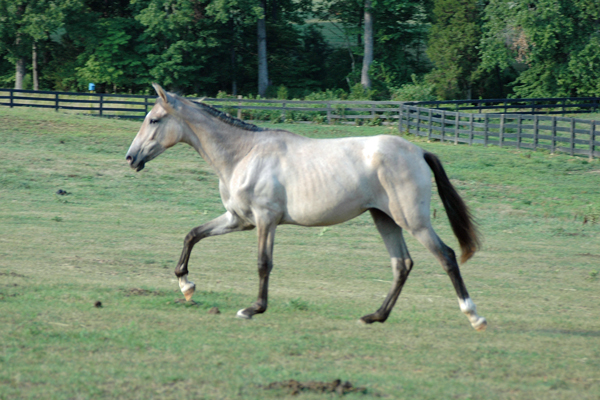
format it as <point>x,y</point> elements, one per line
<point>554,332</point>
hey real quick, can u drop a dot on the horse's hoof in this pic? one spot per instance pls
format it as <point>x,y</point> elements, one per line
<point>480,325</point>
<point>371,318</point>
<point>189,293</point>
<point>240,314</point>
<point>187,288</point>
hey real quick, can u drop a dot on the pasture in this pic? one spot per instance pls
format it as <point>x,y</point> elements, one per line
<point>113,236</point>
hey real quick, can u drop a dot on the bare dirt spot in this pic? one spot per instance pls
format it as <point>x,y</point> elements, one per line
<point>140,292</point>
<point>12,274</point>
<point>186,303</point>
<point>337,386</point>
<point>589,255</point>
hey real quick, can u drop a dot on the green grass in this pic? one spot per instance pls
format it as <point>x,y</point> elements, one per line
<point>116,236</point>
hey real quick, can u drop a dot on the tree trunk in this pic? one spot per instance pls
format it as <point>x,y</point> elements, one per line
<point>263,71</point>
<point>233,57</point>
<point>365,80</point>
<point>20,73</point>
<point>233,72</point>
<point>34,67</point>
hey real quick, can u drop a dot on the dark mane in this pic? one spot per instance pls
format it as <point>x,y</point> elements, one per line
<point>228,118</point>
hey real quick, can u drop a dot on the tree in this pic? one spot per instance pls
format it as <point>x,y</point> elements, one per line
<point>453,47</point>
<point>27,23</point>
<point>398,29</point>
<point>365,80</point>
<point>261,33</point>
<point>554,43</point>
<point>181,43</point>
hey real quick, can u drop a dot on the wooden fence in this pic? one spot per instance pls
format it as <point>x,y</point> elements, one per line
<point>556,134</point>
<point>137,106</point>
<point>532,131</point>
<point>545,105</point>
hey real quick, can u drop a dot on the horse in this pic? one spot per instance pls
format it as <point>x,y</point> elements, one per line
<point>269,177</point>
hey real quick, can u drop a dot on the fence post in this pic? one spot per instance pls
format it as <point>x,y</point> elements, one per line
<point>501,131</point>
<point>283,112</point>
<point>535,131</point>
<point>443,126</point>
<point>10,101</point>
<point>592,139</point>
<point>102,101</point>
<point>553,142</point>
<point>418,121</point>
<point>456,120</point>
<point>399,118</point>
<point>239,110</point>
<point>486,123</point>
<point>56,102</point>
<point>429,126</point>
<point>471,133</point>
<point>519,130</point>
<point>572,141</point>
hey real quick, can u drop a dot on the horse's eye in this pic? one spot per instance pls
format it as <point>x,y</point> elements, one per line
<point>154,121</point>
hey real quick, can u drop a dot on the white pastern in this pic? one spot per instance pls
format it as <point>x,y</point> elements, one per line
<point>185,285</point>
<point>240,314</point>
<point>468,307</point>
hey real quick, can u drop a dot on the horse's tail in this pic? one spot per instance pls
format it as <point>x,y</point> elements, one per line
<point>460,217</point>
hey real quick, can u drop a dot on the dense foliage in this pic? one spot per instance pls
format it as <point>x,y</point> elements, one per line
<point>423,49</point>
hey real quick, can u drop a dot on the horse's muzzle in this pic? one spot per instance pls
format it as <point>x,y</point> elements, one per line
<point>138,166</point>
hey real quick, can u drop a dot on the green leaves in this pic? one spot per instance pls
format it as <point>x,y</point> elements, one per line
<point>554,42</point>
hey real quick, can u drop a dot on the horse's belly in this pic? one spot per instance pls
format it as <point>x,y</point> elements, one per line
<point>326,209</point>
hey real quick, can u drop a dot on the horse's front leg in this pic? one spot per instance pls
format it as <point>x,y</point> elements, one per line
<point>226,223</point>
<point>266,238</point>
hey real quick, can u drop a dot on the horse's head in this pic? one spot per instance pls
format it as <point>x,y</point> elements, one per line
<point>159,131</point>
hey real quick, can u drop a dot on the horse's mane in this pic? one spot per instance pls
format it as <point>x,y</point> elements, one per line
<point>238,123</point>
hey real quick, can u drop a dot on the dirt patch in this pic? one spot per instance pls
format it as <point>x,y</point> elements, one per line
<point>140,292</point>
<point>337,386</point>
<point>13,274</point>
<point>589,255</point>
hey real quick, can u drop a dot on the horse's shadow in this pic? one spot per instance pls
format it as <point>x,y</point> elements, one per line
<point>568,332</point>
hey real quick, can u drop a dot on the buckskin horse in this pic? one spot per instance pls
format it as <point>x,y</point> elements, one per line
<point>269,177</point>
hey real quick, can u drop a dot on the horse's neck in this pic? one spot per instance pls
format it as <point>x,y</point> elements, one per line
<point>222,145</point>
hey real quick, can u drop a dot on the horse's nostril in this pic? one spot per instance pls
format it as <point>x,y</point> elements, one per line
<point>129,159</point>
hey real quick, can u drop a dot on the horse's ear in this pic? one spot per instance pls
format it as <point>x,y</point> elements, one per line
<point>161,92</point>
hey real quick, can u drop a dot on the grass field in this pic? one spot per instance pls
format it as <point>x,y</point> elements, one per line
<point>116,235</point>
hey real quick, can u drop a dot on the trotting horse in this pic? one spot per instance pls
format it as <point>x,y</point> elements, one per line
<point>271,177</point>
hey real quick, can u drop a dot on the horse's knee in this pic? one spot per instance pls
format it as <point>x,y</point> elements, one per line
<point>190,238</point>
<point>264,268</point>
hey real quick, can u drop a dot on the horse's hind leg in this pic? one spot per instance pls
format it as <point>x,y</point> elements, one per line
<point>226,223</point>
<point>401,263</point>
<point>447,258</point>
<point>266,239</point>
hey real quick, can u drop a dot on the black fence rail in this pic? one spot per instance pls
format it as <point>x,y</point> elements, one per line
<point>137,106</point>
<point>532,123</point>
<point>556,134</point>
<point>545,105</point>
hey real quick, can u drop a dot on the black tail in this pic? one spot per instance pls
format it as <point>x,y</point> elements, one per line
<point>459,215</point>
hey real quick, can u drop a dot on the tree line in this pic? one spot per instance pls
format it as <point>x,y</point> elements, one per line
<point>319,49</point>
